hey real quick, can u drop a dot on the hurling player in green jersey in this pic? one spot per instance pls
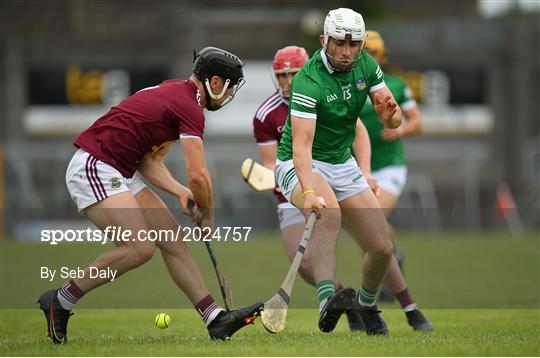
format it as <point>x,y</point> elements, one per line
<point>314,160</point>
<point>387,167</point>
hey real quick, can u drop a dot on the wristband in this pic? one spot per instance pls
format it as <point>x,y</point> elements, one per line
<point>309,191</point>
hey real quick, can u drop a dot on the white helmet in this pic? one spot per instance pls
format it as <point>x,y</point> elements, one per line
<point>344,24</point>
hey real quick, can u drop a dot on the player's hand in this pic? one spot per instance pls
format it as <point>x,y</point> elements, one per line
<point>373,184</point>
<point>313,203</point>
<point>387,110</point>
<point>190,208</point>
<point>203,218</point>
<point>277,190</point>
<point>206,223</point>
<point>389,135</point>
<point>185,196</point>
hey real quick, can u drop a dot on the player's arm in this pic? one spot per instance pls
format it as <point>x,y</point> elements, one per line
<point>386,107</point>
<point>153,168</point>
<point>268,153</point>
<point>199,177</point>
<point>362,154</point>
<point>383,101</point>
<point>411,126</point>
<point>303,131</point>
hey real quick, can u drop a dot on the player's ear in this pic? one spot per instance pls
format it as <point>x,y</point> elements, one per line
<point>321,39</point>
<point>215,82</point>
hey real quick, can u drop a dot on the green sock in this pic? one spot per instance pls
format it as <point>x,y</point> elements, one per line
<point>325,289</point>
<point>366,296</point>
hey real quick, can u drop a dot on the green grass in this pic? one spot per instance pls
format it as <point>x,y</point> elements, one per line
<point>482,292</point>
<point>131,333</point>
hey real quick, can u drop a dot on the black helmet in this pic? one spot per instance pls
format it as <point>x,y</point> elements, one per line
<point>212,61</point>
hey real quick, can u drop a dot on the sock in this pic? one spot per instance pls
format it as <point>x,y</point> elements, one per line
<point>69,294</point>
<point>325,290</point>
<point>208,309</point>
<point>405,300</point>
<point>322,303</point>
<point>366,297</point>
<point>411,307</point>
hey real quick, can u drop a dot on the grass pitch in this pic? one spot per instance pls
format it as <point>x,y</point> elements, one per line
<point>481,292</point>
<point>132,333</point>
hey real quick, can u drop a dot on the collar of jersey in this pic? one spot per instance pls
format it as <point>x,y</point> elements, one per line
<point>325,61</point>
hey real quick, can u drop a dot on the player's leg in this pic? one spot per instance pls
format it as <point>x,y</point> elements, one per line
<point>387,200</point>
<point>120,211</point>
<point>292,224</point>
<point>102,193</point>
<point>184,270</point>
<point>176,254</point>
<point>365,223</point>
<point>322,244</point>
<point>391,181</point>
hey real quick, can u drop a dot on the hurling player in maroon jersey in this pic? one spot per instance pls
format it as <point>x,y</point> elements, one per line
<point>104,180</point>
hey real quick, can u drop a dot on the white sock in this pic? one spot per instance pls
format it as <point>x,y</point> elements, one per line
<point>410,307</point>
<point>211,313</point>
<point>322,303</point>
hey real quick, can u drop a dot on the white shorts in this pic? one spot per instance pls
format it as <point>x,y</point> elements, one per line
<point>392,179</point>
<point>89,180</point>
<point>289,215</point>
<point>345,179</point>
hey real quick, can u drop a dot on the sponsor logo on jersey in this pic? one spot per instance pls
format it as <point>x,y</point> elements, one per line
<point>361,84</point>
<point>115,183</point>
<point>331,97</point>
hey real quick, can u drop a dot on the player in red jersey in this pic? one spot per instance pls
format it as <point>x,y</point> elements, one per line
<point>104,180</point>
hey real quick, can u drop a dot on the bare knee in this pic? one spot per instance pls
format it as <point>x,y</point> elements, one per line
<point>141,254</point>
<point>177,248</point>
<point>384,249</point>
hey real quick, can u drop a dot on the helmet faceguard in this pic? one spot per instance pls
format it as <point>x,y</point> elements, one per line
<point>344,25</point>
<point>288,60</point>
<point>212,61</point>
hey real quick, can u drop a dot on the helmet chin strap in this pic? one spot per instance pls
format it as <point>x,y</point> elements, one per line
<point>223,90</point>
<point>332,59</point>
<point>209,94</point>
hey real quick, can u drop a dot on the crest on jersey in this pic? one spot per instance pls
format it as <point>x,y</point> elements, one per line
<point>361,84</point>
<point>115,183</point>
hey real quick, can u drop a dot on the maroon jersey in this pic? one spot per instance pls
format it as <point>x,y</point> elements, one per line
<point>144,122</point>
<point>269,123</point>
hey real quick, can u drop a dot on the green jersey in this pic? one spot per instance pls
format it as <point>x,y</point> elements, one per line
<point>334,101</point>
<point>383,153</point>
